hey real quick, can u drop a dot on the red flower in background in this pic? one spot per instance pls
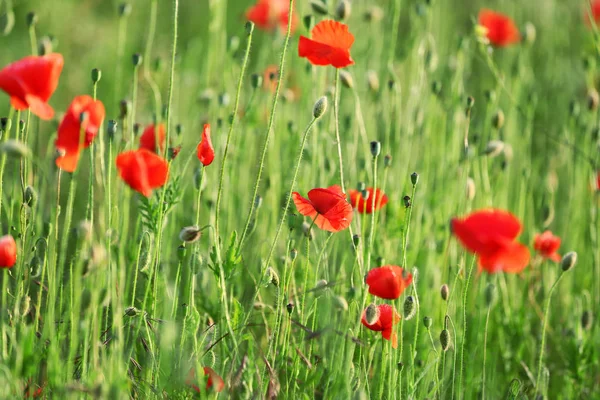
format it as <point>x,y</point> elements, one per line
<point>388,317</point>
<point>501,30</point>
<point>329,45</point>
<point>595,12</point>
<point>546,244</point>
<point>206,152</point>
<point>388,281</point>
<point>148,139</point>
<point>8,251</point>
<point>214,380</point>
<point>269,14</point>
<point>75,133</point>
<point>31,81</point>
<point>327,207</point>
<point>491,235</point>
<point>365,206</point>
<point>598,180</point>
<point>142,170</point>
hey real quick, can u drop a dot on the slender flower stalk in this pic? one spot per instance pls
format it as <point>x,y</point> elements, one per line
<point>462,346</point>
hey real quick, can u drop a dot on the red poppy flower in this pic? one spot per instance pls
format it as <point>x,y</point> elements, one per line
<point>388,281</point>
<point>206,152</point>
<point>148,138</point>
<point>214,380</point>
<point>491,235</point>
<point>31,81</point>
<point>75,135</point>
<point>546,244</point>
<point>388,317</point>
<point>8,252</point>
<point>330,45</point>
<point>268,14</point>
<point>365,206</point>
<point>595,12</point>
<point>327,207</point>
<point>142,170</point>
<point>501,30</point>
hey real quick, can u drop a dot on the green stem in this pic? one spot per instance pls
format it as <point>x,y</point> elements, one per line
<point>485,335</point>
<point>462,346</point>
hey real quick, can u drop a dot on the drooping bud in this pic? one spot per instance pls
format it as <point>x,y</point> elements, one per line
<point>320,107</point>
<point>45,45</point>
<point>498,119</point>
<point>406,200</point>
<point>190,234</point>
<point>258,200</point>
<point>470,189</point>
<point>414,178</point>
<point>372,314</point>
<point>293,254</point>
<point>375,148</point>
<point>319,7</point>
<point>132,311</point>
<point>346,79</point>
<point>340,303</point>
<point>179,129</point>
<point>272,276</point>
<point>96,75</point>
<point>470,102</point>
<point>445,339</point>
<point>125,108</point>
<point>494,148</point>
<point>343,10</point>
<point>290,307</point>
<point>427,321</point>
<point>249,28</point>
<point>568,261</point>
<point>445,292</point>
<point>30,196</point>
<point>5,124</point>
<point>410,308</point>
<point>321,284</point>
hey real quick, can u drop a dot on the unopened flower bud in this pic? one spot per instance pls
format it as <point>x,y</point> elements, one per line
<point>346,79</point>
<point>343,10</point>
<point>272,276</point>
<point>375,148</point>
<point>410,308</point>
<point>137,59</point>
<point>407,202</point>
<point>30,196</point>
<point>586,320</point>
<point>181,253</point>
<point>374,14</point>
<point>320,107</point>
<point>373,81</point>
<point>414,178</point>
<point>249,28</point>
<point>498,119</point>
<point>470,189</point>
<point>436,87</point>
<point>445,339</point>
<point>85,231</point>
<point>372,314</point>
<point>321,284</point>
<point>340,303</point>
<point>445,292</point>
<point>307,231</point>
<point>179,129</point>
<point>365,194</point>
<point>308,21</point>
<point>137,128</point>
<point>111,129</point>
<point>293,254</point>
<point>593,99</point>
<point>15,148</point>
<point>574,108</point>
<point>568,261</point>
<point>427,321</point>
<point>319,7</point>
<point>96,75</point>
<point>256,80</point>
<point>132,311</point>
<point>470,102</point>
<point>290,307</point>
<point>356,239</point>
<point>5,124</point>
<point>125,108</point>
<point>529,33</point>
<point>494,148</point>
<point>224,99</point>
<point>190,234</point>
<point>32,19</point>
<point>124,9</point>
<point>387,161</point>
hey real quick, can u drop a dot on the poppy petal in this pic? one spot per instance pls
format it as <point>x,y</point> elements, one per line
<point>333,33</point>
<point>323,54</point>
<point>512,257</point>
<point>304,206</point>
<point>205,150</point>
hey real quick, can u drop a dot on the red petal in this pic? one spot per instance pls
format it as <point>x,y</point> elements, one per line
<point>479,230</point>
<point>142,170</point>
<point>333,33</point>
<point>501,29</point>
<point>304,206</point>
<point>8,251</point>
<point>511,257</point>
<point>214,380</point>
<point>206,153</point>
<point>388,282</point>
<point>148,138</point>
<point>323,54</point>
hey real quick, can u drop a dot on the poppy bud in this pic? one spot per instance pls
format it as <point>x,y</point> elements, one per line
<point>498,119</point>
<point>490,295</point>
<point>190,234</point>
<point>375,148</point>
<point>5,124</point>
<point>32,19</point>
<point>256,80</point>
<point>387,161</point>
<point>179,129</point>
<point>45,46</point>
<point>586,320</point>
<point>249,28</point>
<point>137,127</point>
<point>593,99</point>
<point>445,339</point>
<point>290,307</point>
<point>361,187</point>
<point>137,59</point>
<point>400,366</point>
<point>234,44</point>
<point>319,7</point>
<point>291,127</point>
<point>340,303</point>
<point>30,196</point>
<point>346,79</point>
<point>111,129</point>
<point>259,305</point>
<point>181,253</point>
<point>343,10</point>
<point>321,284</point>
<point>8,251</point>
<point>529,33</point>
<point>407,203</point>
<point>14,148</point>
<point>96,75</point>
<point>372,314</point>
<point>224,99</point>
<point>356,239</point>
<point>373,81</point>
<point>293,254</point>
<point>85,231</point>
<point>568,261</point>
<point>470,189</point>
<point>436,88</point>
<point>125,108</point>
<point>427,321</point>
<point>365,194</point>
<point>470,102</point>
<point>320,107</point>
<point>414,178</point>
<point>445,292</point>
<point>494,148</point>
<point>308,21</point>
<point>490,95</point>
<point>373,14</point>
<point>7,22</point>
<point>272,276</point>
<point>124,9</point>
<point>132,311</point>
<point>258,201</point>
<point>22,125</point>
<point>410,308</point>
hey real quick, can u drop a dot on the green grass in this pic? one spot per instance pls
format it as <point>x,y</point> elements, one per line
<point>125,310</point>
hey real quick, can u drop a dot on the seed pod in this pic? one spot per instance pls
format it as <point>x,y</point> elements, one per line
<point>346,79</point>
<point>568,261</point>
<point>414,178</point>
<point>470,189</point>
<point>410,308</point>
<point>190,234</point>
<point>372,314</point>
<point>490,295</point>
<point>96,75</point>
<point>586,320</point>
<point>375,148</point>
<point>445,292</point>
<point>343,10</point>
<point>498,119</point>
<point>445,339</point>
<point>427,321</point>
<point>320,107</point>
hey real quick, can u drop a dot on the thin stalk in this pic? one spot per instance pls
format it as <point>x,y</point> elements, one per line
<point>462,346</point>
<point>485,335</point>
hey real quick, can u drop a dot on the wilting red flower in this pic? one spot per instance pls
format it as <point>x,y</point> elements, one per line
<point>330,45</point>
<point>491,235</point>
<point>501,30</point>
<point>77,130</point>
<point>327,207</point>
<point>365,206</point>
<point>142,170</point>
<point>31,81</point>
<point>214,380</point>
<point>546,244</point>
<point>8,252</point>
<point>206,152</point>
<point>148,138</point>
<point>388,317</point>
<point>268,14</point>
<point>388,281</point>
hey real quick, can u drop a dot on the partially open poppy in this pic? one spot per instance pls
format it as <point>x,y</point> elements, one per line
<point>388,281</point>
<point>365,206</point>
<point>214,380</point>
<point>547,245</point>
<point>329,45</point>
<point>388,317</point>
<point>491,234</point>
<point>77,130</point>
<point>149,141</point>
<point>327,207</point>
<point>269,14</point>
<point>142,170</point>
<point>31,81</point>
<point>8,251</point>
<point>206,152</point>
<point>501,31</point>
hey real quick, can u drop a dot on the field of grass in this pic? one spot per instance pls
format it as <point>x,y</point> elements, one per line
<point>106,300</point>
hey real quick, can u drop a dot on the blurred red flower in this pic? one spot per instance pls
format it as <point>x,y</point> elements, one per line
<point>214,380</point>
<point>365,206</point>
<point>142,170</point>
<point>546,244</point>
<point>31,81</point>
<point>594,10</point>
<point>388,317</point>
<point>148,139</point>
<point>77,130</point>
<point>598,180</point>
<point>330,45</point>
<point>269,14</point>
<point>501,30</point>
<point>8,251</point>
<point>206,152</point>
<point>327,207</point>
<point>388,281</point>
<point>491,234</point>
